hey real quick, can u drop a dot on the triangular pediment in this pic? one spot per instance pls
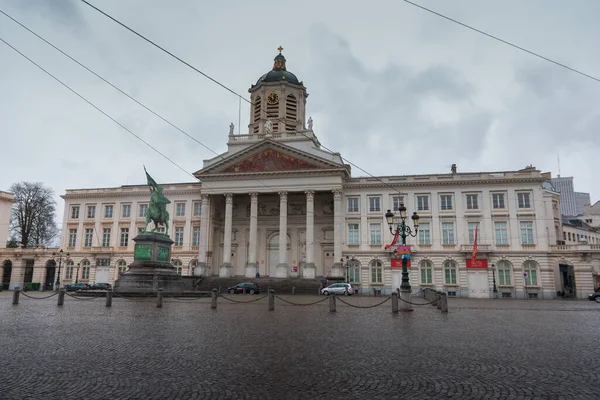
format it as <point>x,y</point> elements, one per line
<point>269,157</point>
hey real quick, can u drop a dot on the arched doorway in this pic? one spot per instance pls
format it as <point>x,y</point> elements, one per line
<point>50,275</point>
<point>568,287</point>
<point>6,273</point>
<point>273,253</point>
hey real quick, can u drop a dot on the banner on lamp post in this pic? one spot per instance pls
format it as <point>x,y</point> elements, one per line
<point>401,253</point>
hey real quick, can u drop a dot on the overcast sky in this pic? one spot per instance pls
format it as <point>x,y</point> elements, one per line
<point>393,88</point>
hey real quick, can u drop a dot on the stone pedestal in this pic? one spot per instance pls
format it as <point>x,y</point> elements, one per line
<point>309,271</point>
<point>281,271</point>
<point>405,300</point>
<point>396,278</point>
<point>251,270</point>
<point>225,270</point>
<point>337,271</point>
<point>151,269</point>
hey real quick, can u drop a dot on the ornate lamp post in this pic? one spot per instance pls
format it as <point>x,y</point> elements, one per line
<point>60,258</point>
<point>495,289</point>
<point>403,230</point>
<point>77,275</point>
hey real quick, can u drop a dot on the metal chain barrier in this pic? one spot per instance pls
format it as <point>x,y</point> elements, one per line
<point>355,306</point>
<point>38,298</point>
<point>420,304</point>
<point>82,298</point>
<point>133,298</point>
<point>301,304</point>
<point>238,301</point>
<point>190,299</point>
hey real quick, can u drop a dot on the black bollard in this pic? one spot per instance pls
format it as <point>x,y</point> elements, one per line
<point>213,301</point>
<point>109,295</point>
<point>332,303</point>
<point>394,303</point>
<point>159,298</point>
<point>16,294</point>
<point>61,297</point>
<point>271,299</point>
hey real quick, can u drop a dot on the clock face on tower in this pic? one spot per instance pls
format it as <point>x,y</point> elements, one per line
<point>273,98</point>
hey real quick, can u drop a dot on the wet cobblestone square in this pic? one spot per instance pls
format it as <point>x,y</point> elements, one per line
<point>505,349</point>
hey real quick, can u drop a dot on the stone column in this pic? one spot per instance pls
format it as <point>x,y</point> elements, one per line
<point>225,270</point>
<point>252,265</point>
<point>309,271</point>
<point>282,267</point>
<point>202,267</point>
<point>338,231</point>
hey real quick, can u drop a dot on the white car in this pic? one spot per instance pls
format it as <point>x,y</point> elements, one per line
<point>338,288</point>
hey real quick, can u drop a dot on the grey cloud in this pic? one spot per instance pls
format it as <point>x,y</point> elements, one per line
<point>63,12</point>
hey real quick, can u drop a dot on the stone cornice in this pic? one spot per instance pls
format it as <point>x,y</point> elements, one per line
<point>254,175</point>
<point>433,183</point>
<point>120,194</point>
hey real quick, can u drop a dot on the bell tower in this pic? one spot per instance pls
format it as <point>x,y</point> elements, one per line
<point>280,97</point>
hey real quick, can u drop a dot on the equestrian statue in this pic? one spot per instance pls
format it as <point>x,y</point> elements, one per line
<point>157,209</point>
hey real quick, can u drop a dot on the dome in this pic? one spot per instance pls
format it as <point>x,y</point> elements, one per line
<point>279,73</point>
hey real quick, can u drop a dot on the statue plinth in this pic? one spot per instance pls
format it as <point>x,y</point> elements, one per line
<point>151,269</point>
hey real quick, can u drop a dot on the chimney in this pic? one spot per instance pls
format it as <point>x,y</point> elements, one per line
<point>453,169</point>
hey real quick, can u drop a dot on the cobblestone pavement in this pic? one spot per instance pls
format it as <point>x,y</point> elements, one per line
<point>497,349</point>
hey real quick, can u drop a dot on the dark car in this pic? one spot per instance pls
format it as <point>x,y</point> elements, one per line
<point>76,286</point>
<point>595,296</point>
<point>245,287</point>
<point>101,286</point>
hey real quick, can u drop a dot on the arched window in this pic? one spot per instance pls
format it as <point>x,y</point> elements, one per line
<point>450,272</point>
<point>69,269</point>
<point>121,266</point>
<point>354,271</point>
<point>291,113</point>
<point>376,271</point>
<point>530,273</point>
<point>426,272</point>
<point>85,270</point>
<point>177,265</point>
<point>504,273</point>
<point>193,266</point>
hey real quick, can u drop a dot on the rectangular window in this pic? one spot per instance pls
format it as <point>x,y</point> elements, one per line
<point>91,211</point>
<point>179,209</point>
<point>69,272</point>
<point>354,273</point>
<point>377,273</point>
<point>501,229</point>
<point>85,272</point>
<point>396,202</point>
<point>353,235</point>
<point>426,275</point>
<point>523,200</point>
<point>72,237</point>
<point>498,201</point>
<point>424,234</point>
<point>446,202</point>
<point>124,239</point>
<point>178,236</point>
<point>197,209</point>
<point>105,237</point>
<point>103,262</point>
<point>353,204</point>
<point>196,236</point>
<point>423,203</point>
<point>448,233</point>
<point>375,234</point>
<point>450,275</point>
<point>472,227</point>
<point>374,204</point>
<point>126,211</point>
<point>108,211</point>
<point>472,203</point>
<point>75,212</point>
<point>89,235</point>
<point>527,232</point>
<point>143,210</point>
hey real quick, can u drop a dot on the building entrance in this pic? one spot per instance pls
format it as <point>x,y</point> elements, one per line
<point>478,284</point>
<point>567,279</point>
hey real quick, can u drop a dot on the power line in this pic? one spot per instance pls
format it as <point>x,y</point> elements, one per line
<point>503,41</point>
<point>227,88</point>
<point>93,105</point>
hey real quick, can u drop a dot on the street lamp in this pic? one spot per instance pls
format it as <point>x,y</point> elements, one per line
<point>495,290</point>
<point>60,258</point>
<point>77,275</point>
<point>403,230</point>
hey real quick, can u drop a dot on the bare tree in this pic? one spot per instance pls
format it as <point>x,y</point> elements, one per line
<point>32,221</point>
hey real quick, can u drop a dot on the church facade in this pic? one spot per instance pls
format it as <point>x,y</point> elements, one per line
<point>278,204</point>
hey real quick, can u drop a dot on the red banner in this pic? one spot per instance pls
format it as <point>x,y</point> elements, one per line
<point>397,263</point>
<point>477,263</point>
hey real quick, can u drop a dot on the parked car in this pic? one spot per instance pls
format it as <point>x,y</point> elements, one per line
<point>244,287</point>
<point>595,297</point>
<point>73,287</point>
<point>100,286</point>
<point>339,288</point>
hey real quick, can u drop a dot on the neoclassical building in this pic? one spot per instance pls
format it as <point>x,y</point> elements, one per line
<point>279,204</point>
